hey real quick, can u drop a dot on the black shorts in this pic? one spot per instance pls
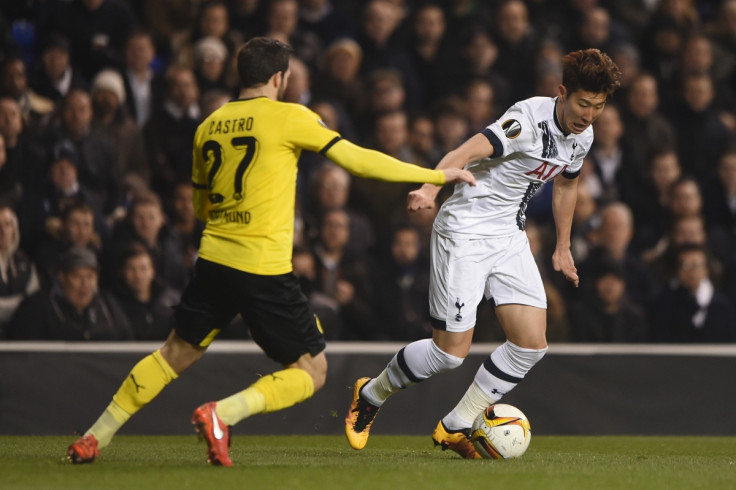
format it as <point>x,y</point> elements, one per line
<point>274,307</point>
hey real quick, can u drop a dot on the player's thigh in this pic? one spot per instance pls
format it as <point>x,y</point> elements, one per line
<point>280,319</point>
<point>515,278</point>
<point>523,325</point>
<point>458,272</point>
<point>207,305</point>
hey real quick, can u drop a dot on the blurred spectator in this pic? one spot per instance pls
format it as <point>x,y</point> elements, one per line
<point>298,89</point>
<point>390,134</point>
<point>328,20</point>
<point>165,19</point>
<point>685,230</point>
<point>421,141</point>
<point>74,309</point>
<point>597,30</point>
<point>664,36</point>
<point>479,57</point>
<point>213,100</point>
<point>383,50</point>
<point>628,59</point>
<point>339,76</point>
<point>343,279</point>
<point>211,20</point>
<point>558,328</point>
<point>651,205</point>
<point>516,42</point>
<point>701,135</point>
<point>18,278</point>
<point>612,240</point>
<point>111,118</point>
<point>35,109</point>
<point>479,100</point>
<point>55,76</point>
<point>433,57</point>
<point>144,87</point>
<point>693,311</point>
<point>585,219</point>
<point>451,123</point>
<point>616,174</point>
<point>401,283</point>
<point>98,164</point>
<point>282,23</point>
<point>719,207</point>
<point>700,56</point>
<point>96,29</point>
<point>168,133</point>
<point>146,300</point>
<point>606,314</point>
<point>386,93</point>
<point>184,222</point>
<point>331,190</point>
<point>77,229</point>
<point>146,224</point>
<point>24,159</point>
<point>646,130</point>
<point>41,211</point>
<point>210,66</point>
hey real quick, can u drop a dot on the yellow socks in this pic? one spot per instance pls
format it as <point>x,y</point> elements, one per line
<point>270,393</point>
<point>143,384</point>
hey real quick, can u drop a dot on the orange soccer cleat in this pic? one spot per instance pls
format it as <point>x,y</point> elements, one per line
<point>214,432</point>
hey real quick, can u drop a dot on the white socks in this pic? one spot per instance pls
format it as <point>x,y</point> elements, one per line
<point>412,364</point>
<point>504,369</point>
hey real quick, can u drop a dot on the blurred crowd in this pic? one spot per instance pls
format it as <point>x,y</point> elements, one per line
<point>99,101</point>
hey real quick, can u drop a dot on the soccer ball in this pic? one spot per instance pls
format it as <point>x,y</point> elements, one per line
<point>501,432</point>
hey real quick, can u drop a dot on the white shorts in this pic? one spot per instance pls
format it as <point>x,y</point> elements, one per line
<point>464,270</point>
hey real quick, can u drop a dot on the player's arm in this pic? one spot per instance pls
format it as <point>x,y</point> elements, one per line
<point>475,148</point>
<point>376,165</point>
<point>201,193</point>
<point>201,201</point>
<point>564,196</point>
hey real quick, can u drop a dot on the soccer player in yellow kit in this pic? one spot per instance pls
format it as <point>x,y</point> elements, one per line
<point>244,175</point>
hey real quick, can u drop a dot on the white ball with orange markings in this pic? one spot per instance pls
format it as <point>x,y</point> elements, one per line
<point>501,432</point>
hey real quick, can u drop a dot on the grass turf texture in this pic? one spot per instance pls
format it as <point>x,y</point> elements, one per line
<point>395,462</point>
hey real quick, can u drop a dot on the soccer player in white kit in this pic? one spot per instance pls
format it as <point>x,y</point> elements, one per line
<point>479,248</point>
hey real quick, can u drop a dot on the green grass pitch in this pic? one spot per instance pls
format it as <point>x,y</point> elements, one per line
<point>388,462</point>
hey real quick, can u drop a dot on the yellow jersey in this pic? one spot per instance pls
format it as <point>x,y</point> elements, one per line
<point>244,175</point>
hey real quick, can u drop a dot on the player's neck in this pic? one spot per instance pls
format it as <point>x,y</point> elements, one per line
<point>259,91</point>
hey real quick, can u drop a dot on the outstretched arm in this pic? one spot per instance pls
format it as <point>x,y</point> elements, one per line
<point>376,165</point>
<point>565,195</point>
<point>473,149</point>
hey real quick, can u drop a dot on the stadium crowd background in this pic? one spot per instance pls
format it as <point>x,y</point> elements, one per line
<point>99,100</point>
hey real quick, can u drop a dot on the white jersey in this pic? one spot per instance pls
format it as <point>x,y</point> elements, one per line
<point>529,150</point>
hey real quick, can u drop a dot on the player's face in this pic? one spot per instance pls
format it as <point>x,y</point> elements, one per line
<point>578,110</point>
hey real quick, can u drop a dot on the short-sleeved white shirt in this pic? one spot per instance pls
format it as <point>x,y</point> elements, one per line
<point>530,149</point>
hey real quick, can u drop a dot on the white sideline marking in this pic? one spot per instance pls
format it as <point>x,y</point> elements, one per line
<point>387,348</point>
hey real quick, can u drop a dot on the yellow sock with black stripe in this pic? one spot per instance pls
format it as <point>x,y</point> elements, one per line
<point>270,393</point>
<point>144,382</point>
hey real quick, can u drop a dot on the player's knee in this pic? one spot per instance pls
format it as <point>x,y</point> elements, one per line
<point>444,360</point>
<point>317,368</point>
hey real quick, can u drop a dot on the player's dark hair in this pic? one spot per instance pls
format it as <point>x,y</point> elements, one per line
<point>261,58</point>
<point>590,70</point>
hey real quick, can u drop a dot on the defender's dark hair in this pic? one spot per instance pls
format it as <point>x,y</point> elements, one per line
<point>590,70</point>
<point>260,58</point>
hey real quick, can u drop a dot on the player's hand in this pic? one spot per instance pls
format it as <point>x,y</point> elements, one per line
<point>422,198</point>
<point>458,175</point>
<point>562,262</point>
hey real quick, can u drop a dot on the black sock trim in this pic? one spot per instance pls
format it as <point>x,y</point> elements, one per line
<point>405,368</point>
<point>494,370</point>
